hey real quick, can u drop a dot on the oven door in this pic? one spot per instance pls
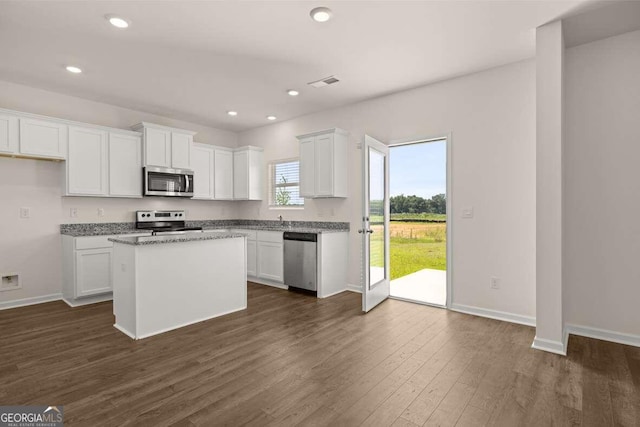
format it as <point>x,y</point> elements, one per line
<point>168,182</point>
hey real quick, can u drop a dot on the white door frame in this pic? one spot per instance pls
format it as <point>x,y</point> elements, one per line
<point>449,141</point>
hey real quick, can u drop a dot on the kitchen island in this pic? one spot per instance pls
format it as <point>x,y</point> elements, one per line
<point>162,283</point>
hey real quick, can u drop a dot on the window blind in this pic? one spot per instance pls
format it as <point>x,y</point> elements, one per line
<point>285,184</point>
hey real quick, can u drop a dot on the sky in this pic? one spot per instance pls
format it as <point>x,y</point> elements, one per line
<point>419,169</point>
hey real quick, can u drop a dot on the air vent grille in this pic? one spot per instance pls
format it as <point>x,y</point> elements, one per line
<point>324,82</point>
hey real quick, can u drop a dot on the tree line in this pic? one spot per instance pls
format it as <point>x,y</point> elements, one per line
<point>415,204</point>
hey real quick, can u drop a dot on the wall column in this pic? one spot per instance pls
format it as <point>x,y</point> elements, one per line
<point>550,332</point>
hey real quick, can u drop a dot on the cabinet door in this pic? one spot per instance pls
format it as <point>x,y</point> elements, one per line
<point>241,175</point>
<point>43,139</point>
<point>87,162</point>
<point>157,147</point>
<point>270,261</point>
<point>93,272</point>
<point>251,258</point>
<point>125,165</point>
<point>323,173</point>
<point>202,165</point>
<point>223,181</point>
<point>181,150</point>
<point>8,134</point>
<point>307,167</point>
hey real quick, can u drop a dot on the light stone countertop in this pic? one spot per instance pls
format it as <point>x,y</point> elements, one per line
<point>174,238</point>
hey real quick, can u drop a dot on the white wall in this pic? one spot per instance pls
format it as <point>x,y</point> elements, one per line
<point>31,247</point>
<point>492,119</point>
<point>602,184</point>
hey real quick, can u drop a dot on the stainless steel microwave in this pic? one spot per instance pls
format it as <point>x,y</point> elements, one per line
<point>167,182</point>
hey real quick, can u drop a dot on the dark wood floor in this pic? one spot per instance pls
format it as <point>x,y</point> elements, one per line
<point>291,359</point>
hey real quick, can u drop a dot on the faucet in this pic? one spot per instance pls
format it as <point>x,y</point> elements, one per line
<point>281,220</point>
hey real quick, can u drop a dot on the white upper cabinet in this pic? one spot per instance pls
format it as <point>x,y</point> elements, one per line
<point>323,164</point>
<point>223,170</point>
<point>8,133</point>
<point>87,163</point>
<point>166,147</point>
<point>125,165</point>
<point>307,167</point>
<point>247,173</point>
<point>202,166</point>
<point>213,172</point>
<point>181,150</point>
<point>42,138</point>
<point>104,164</point>
<point>157,147</point>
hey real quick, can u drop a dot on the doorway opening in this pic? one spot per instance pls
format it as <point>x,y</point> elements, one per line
<point>418,222</point>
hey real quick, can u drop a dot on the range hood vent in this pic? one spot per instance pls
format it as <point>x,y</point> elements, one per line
<point>324,82</point>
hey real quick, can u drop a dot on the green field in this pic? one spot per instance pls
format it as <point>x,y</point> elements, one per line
<point>414,246</point>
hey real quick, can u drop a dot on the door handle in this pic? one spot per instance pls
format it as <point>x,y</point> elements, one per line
<point>370,231</point>
<point>365,231</point>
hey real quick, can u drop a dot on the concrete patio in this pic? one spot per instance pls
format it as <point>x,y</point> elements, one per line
<point>427,286</point>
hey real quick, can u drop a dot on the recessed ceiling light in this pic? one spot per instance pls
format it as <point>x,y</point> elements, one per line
<point>232,113</point>
<point>293,92</point>
<point>321,14</point>
<point>74,70</point>
<point>117,21</point>
<point>271,117</point>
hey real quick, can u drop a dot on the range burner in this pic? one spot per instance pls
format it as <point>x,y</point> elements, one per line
<point>163,222</point>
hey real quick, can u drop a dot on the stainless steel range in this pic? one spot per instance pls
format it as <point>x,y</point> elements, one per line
<point>163,222</point>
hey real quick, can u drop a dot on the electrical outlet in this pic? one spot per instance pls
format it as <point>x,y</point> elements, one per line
<point>100,211</point>
<point>467,212</point>
<point>73,212</point>
<point>495,283</point>
<point>25,212</point>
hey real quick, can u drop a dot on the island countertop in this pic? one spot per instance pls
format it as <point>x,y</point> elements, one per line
<point>174,238</point>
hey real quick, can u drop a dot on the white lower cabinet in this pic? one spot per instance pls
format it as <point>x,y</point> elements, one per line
<point>93,270</point>
<point>270,261</point>
<point>252,258</point>
<point>270,256</point>
<point>265,252</point>
<point>87,268</point>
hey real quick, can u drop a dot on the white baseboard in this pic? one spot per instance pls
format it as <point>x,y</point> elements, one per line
<point>354,288</point>
<point>5,305</point>
<point>88,300</point>
<point>557,347</point>
<point>605,335</point>
<point>267,282</point>
<point>332,293</point>
<point>182,325</point>
<point>494,314</point>
<point>124,331</point>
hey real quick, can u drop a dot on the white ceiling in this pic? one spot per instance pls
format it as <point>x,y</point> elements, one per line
<point>194,60</point>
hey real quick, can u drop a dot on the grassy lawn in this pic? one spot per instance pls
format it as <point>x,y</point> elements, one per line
<point>414,247</point>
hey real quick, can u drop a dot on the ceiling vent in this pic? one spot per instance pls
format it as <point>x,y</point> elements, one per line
<point>324,82</point>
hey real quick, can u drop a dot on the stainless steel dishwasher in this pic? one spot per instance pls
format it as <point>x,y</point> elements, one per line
<point>301,260</point>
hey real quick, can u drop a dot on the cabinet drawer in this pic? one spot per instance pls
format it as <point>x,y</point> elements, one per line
<point>270,236</point>
<point>93,242</point>
<point>251,234</point>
